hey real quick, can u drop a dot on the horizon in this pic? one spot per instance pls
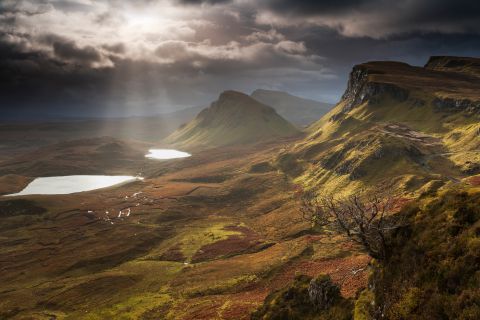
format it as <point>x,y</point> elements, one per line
<point>82,58</point>
<point>240,159</point>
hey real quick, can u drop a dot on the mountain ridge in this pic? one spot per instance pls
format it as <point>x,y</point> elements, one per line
<point>235,118</point>
<point>395,123</point>
<point>299,111</point>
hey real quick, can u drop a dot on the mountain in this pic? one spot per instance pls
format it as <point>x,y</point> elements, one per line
<point>299,111</point>
<point>235,118</point>
<point>215,235</point>
<point>416,127</point>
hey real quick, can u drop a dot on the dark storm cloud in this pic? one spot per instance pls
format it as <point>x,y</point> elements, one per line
<point>70,51</point>
<point>115,48</point>
<point>115,58</point>
<point>380,18</point>
<point>429,9</point>
<point>310,7</point>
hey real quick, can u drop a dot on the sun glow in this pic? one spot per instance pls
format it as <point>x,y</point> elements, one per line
<point>142,21</point>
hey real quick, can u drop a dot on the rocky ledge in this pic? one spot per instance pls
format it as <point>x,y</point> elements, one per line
<point>372,80</point>
<point>361,88</point>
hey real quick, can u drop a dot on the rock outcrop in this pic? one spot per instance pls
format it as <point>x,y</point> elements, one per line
<point>323,293</point>
<point>306,299</point>
<point>452,83</point>
<point>361,89</point>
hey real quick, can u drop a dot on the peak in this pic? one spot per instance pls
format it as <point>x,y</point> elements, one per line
<point>228,94</point>
<point>234,118</point>
<point>266,91</point>
<point>381,67</point>
<point>235,100</point>
<point>450,61</point>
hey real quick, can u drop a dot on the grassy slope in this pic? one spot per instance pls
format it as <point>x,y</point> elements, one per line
<point>433,273</point>
<point>385,138</point>
<point>238,234</point>
<point>229,214</point>
<point>234,119</point>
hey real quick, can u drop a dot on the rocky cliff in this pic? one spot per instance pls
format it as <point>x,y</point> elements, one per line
<point>397,123</point>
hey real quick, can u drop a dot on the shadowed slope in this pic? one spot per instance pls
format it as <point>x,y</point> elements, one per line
<point>299,111</point>
<point>234,118</point>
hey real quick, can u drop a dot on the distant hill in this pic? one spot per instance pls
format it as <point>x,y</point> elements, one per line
<point>235,118</point>
<point>299,111</point>
<point>104,155</point>
<point>18,138</point>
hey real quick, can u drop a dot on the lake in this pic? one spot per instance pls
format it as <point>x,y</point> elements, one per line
<point>72,184</point>
<point>165,154</point>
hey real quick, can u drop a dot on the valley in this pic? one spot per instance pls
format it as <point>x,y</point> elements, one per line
<point>217,242</point>
<point>214,228</point>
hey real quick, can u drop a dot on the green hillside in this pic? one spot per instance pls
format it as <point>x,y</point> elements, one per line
<point>235,118</point>
<point>416,130</point>
<point>416,127</point>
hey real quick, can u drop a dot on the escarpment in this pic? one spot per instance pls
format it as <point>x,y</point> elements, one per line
<point>448,83</point>
<point>360,88</point>
<point>394,122</point>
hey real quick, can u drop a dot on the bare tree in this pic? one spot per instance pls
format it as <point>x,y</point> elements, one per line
<point>367,217</point>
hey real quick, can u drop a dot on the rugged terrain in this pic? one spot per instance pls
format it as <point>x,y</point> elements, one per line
<point>235,118</point>
<point>208,237</point>
<point>415,127</point>
<point>213,235</point>
<point>415,130</point>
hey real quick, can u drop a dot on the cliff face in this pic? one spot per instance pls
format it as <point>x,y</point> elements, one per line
<point>451,83</point>
<point>403,124</point>
<point>360,88</point>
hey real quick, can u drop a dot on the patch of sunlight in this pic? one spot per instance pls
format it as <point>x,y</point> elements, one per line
<point>165,154</point>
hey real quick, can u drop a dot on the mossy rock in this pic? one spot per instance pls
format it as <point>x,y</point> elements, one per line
<point>295,302</point>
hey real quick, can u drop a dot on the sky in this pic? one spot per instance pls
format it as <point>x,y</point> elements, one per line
<point>110,58</point>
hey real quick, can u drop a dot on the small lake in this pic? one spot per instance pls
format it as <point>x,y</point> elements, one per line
<point>72,184</point>
<point>165,154</point>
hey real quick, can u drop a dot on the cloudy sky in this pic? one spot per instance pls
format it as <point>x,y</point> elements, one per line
<point>121,58</point>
